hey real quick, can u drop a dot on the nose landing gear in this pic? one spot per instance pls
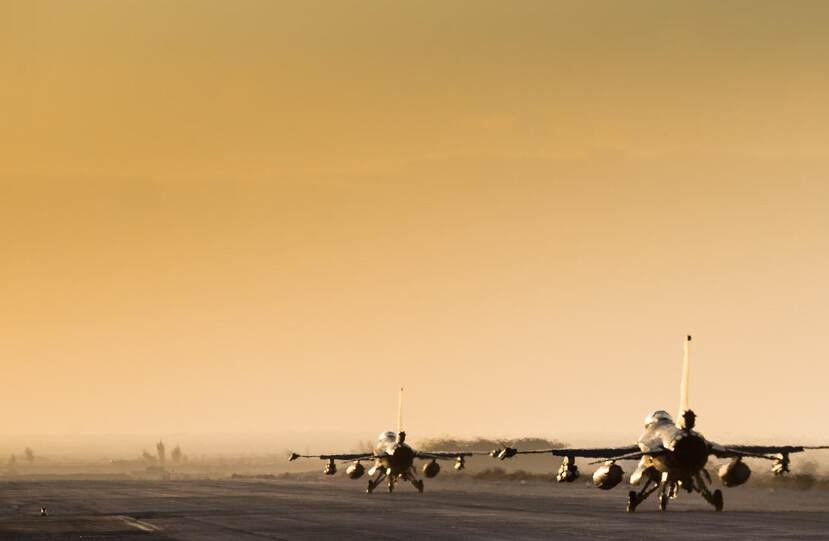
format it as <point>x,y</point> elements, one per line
<point>668,492</point>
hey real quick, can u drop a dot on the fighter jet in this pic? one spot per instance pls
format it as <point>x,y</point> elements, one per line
<point>672,456</point>
<point>393,459</point>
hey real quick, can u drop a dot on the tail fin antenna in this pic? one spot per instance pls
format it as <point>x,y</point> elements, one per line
<point>400,412</point>
<point>683,397</point>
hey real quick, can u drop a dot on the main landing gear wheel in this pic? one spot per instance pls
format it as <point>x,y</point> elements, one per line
<point>716,500</point>
<point>633,501</point>
<point>419,486</point>
<point>370,487</point>
<point>663,502</point>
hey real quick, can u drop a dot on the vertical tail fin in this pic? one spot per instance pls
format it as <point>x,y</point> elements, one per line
<point>400,412</point>
<point>683,396</point>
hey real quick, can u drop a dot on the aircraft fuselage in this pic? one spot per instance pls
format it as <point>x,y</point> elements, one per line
<point>684,452</point>
<point>395,458</point>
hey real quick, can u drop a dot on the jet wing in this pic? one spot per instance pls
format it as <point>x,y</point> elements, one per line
<point>631,452</point>
<point>447,455</point>
<point>759,451</point>
<point>355,456</point>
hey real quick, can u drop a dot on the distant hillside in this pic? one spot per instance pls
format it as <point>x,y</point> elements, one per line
<point>485,444</point>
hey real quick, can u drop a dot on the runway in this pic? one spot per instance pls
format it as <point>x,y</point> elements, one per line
<point>248,510</point>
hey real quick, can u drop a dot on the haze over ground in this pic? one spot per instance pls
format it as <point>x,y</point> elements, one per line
<point>265,216</point>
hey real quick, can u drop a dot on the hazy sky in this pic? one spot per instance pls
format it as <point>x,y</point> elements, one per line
<point>265,216</point>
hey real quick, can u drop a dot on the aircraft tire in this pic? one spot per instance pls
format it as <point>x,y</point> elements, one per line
<point>717,500</point>
<point>663,502</point>
<point>632,501</point>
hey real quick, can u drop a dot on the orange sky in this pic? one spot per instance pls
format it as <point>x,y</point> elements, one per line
<point>264,216</point>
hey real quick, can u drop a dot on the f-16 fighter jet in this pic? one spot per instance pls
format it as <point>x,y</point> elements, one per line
<point>392,458</point>
<point>672,456</point>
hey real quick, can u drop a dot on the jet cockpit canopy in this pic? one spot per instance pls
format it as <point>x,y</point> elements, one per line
<point>659,416</point>
<point>387,437</point>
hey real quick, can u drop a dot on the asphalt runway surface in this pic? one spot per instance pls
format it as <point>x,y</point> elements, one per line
<point>247,510</point>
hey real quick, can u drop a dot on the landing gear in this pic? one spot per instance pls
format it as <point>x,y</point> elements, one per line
<point>714,499</point>
<point>393,478</point>
<point>635,498</point>
<point>374,483</point>
<point>717,500</point>
<point>668,491</point>
<point>411,476</point>
<point>633,501</point>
